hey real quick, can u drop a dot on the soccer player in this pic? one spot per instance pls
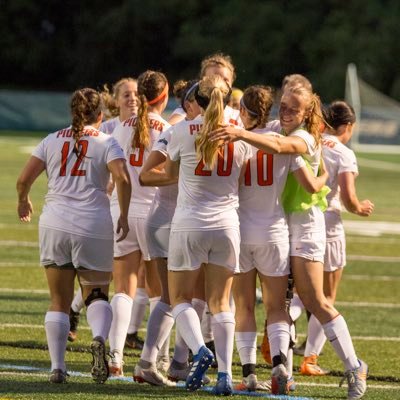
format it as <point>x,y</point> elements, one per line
<point>75,227</point>
<point>341,164</point>
<point>158,227</point>
<point>300,118</point>
<point>264,248</point>
<point>205,229</point>
<point>136,136</point>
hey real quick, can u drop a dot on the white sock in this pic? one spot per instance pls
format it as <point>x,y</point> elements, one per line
<point>139,306</point>
<point>206,326</point>
<point>296,307</point>
<point>163,353</point>
<point>77,302</point>
<point>121,305</point>
<point>279,337</point>
<point>99,316</point>
<point>181,350</point>
<point>315,337</point>
<point>246,344</point>
<point>189,327</point>
<point>153,302</point>
<point>159,327</point>
<point>199,305</point>
<point>338,334</point>
<point>223,326</point>
<point>232,304</point>
<point>57,329</point>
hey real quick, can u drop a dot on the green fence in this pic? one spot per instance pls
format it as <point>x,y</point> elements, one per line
<point>34,111</point>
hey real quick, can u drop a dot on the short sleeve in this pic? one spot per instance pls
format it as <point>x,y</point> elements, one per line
<point>162,142</point>
<point>40,150</point>
<point>114,150</point>
<point>348,162</point>
<point>296,162</point>
<point>174,148</point>
<point>308,139</point>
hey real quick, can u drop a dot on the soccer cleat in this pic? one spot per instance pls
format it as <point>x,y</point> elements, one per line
<point>150,375</point>
<point>201,362</point>
<point>73,325</point>
<point>357,381</point>
<point>134,341</point>
<point>100,371</point>
<point>279,380</point>
<point>163,364</point>
<point>251,384</point>
<point>291,384</point>
<point>223,386</point>
<point>178,371</point>
<point>310,367</point>
<point>115,364</point>
<point>58,376</point>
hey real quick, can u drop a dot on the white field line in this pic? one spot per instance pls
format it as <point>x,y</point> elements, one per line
<point>371,228</point>
<point>359,257</point>
<point>375,164</point>
<point>17,243</point>
<point>45,373</point>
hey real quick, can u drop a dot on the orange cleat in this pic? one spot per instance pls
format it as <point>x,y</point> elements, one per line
<point>265,349</point>
<point>310,367</point>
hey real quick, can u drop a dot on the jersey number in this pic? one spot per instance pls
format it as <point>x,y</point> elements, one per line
<point>265,169</point>
<point>224,167</point>
<point>136,159</point>
<point>75,171</point>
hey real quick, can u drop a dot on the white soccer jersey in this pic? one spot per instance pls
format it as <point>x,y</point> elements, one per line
<point>207,199</point>
<point>274,126</point>
<point>338,159</point>
<point>261,215</point>
<point>163,207</point>
<point>232,116</point>
<point>76,201</point>
<point>109,125</point>
<point>142,196</point>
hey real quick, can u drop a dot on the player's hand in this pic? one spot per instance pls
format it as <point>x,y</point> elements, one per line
<point>25,210</point>
<point>366,208</point>
<point>122,226</point>
<point>226,133</point>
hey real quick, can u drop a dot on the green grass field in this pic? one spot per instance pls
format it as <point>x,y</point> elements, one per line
<point>367,298</point>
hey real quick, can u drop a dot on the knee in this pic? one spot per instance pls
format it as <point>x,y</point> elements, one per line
<point>95,295</point>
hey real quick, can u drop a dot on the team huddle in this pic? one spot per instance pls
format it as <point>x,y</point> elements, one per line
<point>189,213</point>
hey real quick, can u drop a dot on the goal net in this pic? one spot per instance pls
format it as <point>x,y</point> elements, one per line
<point>378,116</point>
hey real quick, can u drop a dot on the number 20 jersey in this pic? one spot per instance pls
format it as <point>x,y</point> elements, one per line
<point>207,199</point>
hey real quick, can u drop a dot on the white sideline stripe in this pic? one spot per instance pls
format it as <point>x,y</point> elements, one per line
<point>371,228</point>
<point>384,278</point>
<point>359,257</point>
<point>17,243</point>
<point>384,165</point>
<point>366,304</point>
<point>87,328</point>
<point>83,375</point>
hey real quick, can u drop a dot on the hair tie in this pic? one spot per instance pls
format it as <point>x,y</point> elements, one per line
<point>160,96</point>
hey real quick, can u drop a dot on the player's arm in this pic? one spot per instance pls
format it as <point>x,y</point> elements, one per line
<point>153,172</point>
<point>311,183</point>
<point>272,144</point>
<point>171,168</point>
<point>349,197</point>
<point>122,181</point>
<point>33,168</point>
